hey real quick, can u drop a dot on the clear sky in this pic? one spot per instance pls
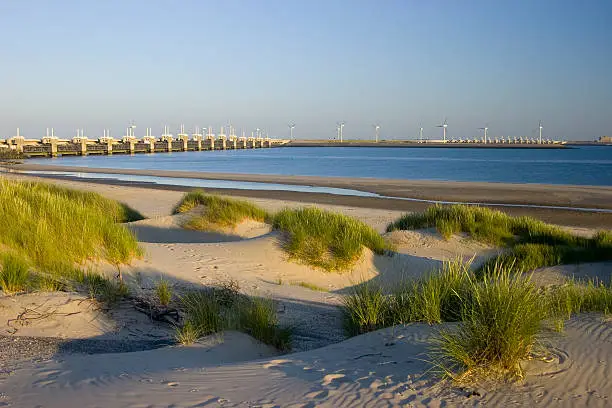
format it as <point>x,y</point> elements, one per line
<point>505,64</point>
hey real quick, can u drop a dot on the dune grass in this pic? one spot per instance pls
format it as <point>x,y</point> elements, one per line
<point>223,308</point>
<point>57,232</point>
<point>163,292</point>
<point>319,238</point>
<point>434,299</point>
<point>500,315</point>
<point>326,240</point>
<point>105,290</point>
<point>14,273</point>
<point>57,228</point>
<point>500,325</point>
<point>311,286</point>
<point>532,243</point>
<point>218,212</point>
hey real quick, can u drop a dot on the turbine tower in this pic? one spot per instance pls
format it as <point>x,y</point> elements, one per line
<point>291,126</point>
<point>540,132</point>
<point>443,126</point>
<point>485,133</point>
<point>340,127</point>
<point>421,134</point>
<point>376,131</point>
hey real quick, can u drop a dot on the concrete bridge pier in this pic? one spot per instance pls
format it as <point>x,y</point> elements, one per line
<point>232,143</point>
<point>198,139</point>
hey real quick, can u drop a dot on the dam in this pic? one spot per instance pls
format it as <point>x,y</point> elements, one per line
<point>80,145</point>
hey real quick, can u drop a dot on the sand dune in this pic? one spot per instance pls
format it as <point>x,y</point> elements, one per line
<point>385,368</point>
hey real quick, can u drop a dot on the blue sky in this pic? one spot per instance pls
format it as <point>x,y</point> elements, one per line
<point>505,64</point>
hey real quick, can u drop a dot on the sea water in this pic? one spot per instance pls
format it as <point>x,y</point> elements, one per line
<point>588,165</point>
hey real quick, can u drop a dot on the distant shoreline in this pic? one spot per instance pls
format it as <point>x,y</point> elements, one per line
<point>415,144</point>
<point>494,193</point>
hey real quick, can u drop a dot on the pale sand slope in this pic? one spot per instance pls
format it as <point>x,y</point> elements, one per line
<point>74,316</point>
<point>369,370</point>
<point>379,369</point>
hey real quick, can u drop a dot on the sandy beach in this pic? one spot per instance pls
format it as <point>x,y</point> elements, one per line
<point>595,197</point>
<point>383,368</point>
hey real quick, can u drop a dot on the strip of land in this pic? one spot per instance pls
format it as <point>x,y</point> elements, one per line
<point>599,197</point>
<point>417,144</point>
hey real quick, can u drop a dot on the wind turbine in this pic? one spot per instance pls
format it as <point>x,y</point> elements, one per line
<point>421,134</point>
<point>485,133</point>
<point>540,132</point>
<point>340,127</point>
<point>376,131</point>
<point>443,126</point>
<point>291,126</point>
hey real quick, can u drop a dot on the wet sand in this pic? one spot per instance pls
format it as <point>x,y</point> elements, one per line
<point>495,193</point>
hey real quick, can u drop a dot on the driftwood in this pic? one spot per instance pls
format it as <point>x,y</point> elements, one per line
<point>30,314</point>
<point>155,311</point>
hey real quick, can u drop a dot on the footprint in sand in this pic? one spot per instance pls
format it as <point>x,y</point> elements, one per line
<point>331,377</point>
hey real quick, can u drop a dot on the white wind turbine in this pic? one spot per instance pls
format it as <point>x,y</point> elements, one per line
<point>540,125</point>
<point>340,127</point>
<point>443,126</point>
<point>421,134</point>
<point>376,131</point>
<point>485,133</point>
<point>291,126</point>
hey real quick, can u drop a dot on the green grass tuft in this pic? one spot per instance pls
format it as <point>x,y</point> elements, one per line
<point>500,325</point>
<point>257,317</point>
<point>14,273</point>
<point>218,212</point>
<point>500,314</point>
<point>365,309</point>
<point>311,286</point>
<point>163,292</point>
<point>211,311</point>
<point>326,240</point>
<point>60,229</point>
<point>203,312</point>
<point>532,243</point>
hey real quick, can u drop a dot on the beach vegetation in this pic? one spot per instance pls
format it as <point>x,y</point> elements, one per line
<point>163,290</point>
<point>500,316</point>
<point>531,243</point>
<point>107,291</point>
<point>214,310</point>
<point>365,309</point>
<point>258,317</point>
<point>326,240</point>
<point>500,324</point>
<point>218,212</point>
<point>311,286</point>
<point>14,273</point>
<point>61,229</point>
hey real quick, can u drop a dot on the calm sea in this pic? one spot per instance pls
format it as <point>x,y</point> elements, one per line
<point>582,165</point>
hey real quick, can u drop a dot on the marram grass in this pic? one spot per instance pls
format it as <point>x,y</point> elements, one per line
<point>218,212</point>
<point>532,243</point>
<point>163,291</point>
<point>501,322</point>
<point>14,273</point>
<point>223,308</point>
<point>501,315</point>
<point>58,229</point>
<point>327,240</point>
